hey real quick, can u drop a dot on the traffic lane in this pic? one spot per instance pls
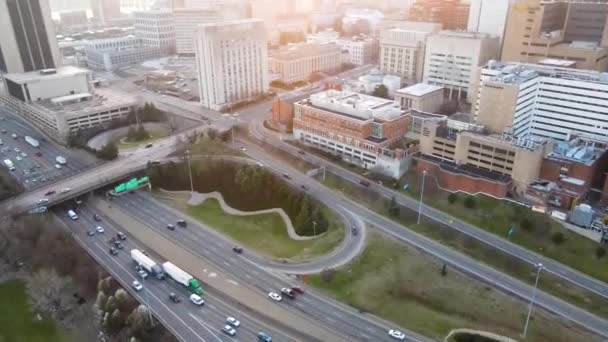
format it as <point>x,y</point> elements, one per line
<point>223,310</point>
<point>179,326</point>
<point>338,317</point>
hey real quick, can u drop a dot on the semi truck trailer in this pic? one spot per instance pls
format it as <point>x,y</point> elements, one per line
<point>183,278</point>
<point>147,263</point>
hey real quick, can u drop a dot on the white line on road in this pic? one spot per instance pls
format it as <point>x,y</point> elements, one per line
<point>206,327</point>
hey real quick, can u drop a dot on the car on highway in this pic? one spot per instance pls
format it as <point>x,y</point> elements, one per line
<point>16,149</point>
<point>264,337</point>
<point>57,166</point>
<point>100,229</point>
<point>233,321</point>
<point>182,223</point>
<point>237,249</point>
<point>364,183</point>
<point>304,187</point>
<point>137,285</point>
<point>354,231</point>
<point>23,154</point>
<point>242,148</point>
<point>96,217</point>
<point>113,251</point>
<point>118,245</point>
<point>121,236</point>
<point>174,298</point>
<point>275,296</point>
<point>38,154</point>
<point>289,293</point>
<point>286,176</point>
<point>43,201</point>
<point>297,289</point>
<point>65,190</point>
<point>49,193</point>
<point>396,334</point>
<point>90,233</point>
<point>148,145</point>
<point>301,152</point>
<point>143,274</point>
<point>170,227</point>
<point>196,299</point>
<point>228,330</point>
<point>19,158</point>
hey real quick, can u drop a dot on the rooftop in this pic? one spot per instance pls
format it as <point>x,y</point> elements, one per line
<point>516,73</point>
<point>87,103</point>
<point>577,150</point>
<point>297,51</point>
<point>419,89</point>
<point>46,74</point>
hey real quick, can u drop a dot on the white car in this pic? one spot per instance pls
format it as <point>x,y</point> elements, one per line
<point>275,296</point>
<point>143,274</point>
<point>396,334</point>
<point>229,330</point>
<point>137,285</point>
<point>17,150</point>
<point>243,149</point>
<point>23,154</point>
<point>18,158</point>
<point>57,166</point>
<point>196,299</point>
<point>99,229</point>
<point>233,321</point>
<point>65,190</point>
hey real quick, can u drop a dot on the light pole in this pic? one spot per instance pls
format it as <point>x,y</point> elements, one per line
<point>539,268</point>
<point>190,171</point>
<point>314,228</point>
<point>421,194</point>
<point>235,118</point>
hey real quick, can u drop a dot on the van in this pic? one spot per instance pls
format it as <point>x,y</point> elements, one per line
<point>72,215</point>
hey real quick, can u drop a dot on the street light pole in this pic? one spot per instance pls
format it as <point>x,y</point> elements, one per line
<point>539,267</point>
<point>314,228</point>
<point>190,171</point>
<point>421,194</point>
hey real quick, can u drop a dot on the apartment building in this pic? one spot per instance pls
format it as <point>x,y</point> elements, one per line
<point>298,62</point>
<point>560,29</point>
<point>232,62</point>
<point>545,101</point>
<point>28,40</point>
<point>362,129</point>
<point>114,53</point>
<point>361,50</point>
<point>451,14</point>
<point>402,50</point>
<point>156,28</point>
<point>452,58</point>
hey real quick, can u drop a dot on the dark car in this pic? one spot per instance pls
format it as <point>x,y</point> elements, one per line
<point>113,251</point>
<point>286,176</point>
<point>97,218</point>
<point>121,236</point>
<point>50,192</point>
<point>288,293</point>
<point>237,249</point>
<point>117,244</point>
<point>148,145</point>
<point>174,298</point>
<point>364,182</point>
<point>90,233</point>
<point>354,231</point>
<point>297,289</point>
<point>38,154</point>
<point>182,223</point>
<point>170,227</point>
<point>264,337</point>
<point>301,152</point>
<point>304,187</point>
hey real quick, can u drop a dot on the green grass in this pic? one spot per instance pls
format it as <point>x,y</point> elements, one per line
<point>478,250</point>
<point>154,135</point>
<point>17,322</point>
<point>405,286</point>
<point>265,233</point>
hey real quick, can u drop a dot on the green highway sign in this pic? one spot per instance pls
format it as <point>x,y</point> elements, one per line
<point>132,184</point>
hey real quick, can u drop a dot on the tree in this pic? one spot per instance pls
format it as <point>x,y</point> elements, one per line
<point>452,198</point>
<point>381,91</point>
<point>141,133</point>
<point>109,151</point>
<point>558,238</point>
<point>131,134</point>
<point>470,202</point>
<point>50,292</point>
<point>303,223</point>
<point>526,224</point>
<point>444,270</point>
<point>600,252</point>
<point>393,207</point>
<point>327,275</point>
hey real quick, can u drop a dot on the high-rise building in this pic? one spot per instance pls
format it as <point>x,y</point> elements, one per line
<point>402,50</point>
<point>28,40</point>
<point>156,28</point>
<point>561,29</point>
<point>489,16</point>
<point>232,62</point>
<point>452,58</point>
<point>451,14</point>
<point>186,21</point>
<point>547,101</point>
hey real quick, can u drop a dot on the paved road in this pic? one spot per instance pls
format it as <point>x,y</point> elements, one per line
<point>255,272</point>
<point>187,321</point>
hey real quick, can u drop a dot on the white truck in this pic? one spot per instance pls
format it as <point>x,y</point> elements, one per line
<point>183,278</point>
<point>147,263</point>
<point>33,142</point>
<point>9,164</point>
<point>60,160</point>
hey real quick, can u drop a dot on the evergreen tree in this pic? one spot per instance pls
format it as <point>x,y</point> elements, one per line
<point>303,223</point>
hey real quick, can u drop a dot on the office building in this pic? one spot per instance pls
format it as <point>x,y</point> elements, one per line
<point>62,101</point>
<point>298,62</point>
<point>105,10</point>
<point>232,62</point>
<point>489,16</point>
<point>156,28</point>
<point>28,38</point>
<point>451,14</point>
<point>362,129</point>
<point>186,21</point>
<point>114,53</point>
<point>561,29</point>
<point>546,101</point>
<point>420,97</point>
<point>402,50</point>
<point>361,49</point>
<point>323,37</point>
<point>452,59</point>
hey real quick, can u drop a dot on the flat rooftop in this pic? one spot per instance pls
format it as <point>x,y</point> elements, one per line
<point>419,89</point>
<point>46,74</point>
<point>577,151</point>
<point>102,99</point>
<point>297,51</point>
<point>355,105</point>
<point>516,73</point>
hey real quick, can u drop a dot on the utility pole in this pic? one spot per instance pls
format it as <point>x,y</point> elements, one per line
<point>421,194</point>
<point>189,156</point>
<point>539,268</point>
<point>314,228</point>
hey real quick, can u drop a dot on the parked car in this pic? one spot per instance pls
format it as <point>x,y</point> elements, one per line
<point>286,176</point>
<point>148,145</point>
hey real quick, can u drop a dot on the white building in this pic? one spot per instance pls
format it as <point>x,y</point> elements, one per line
<point>156,28</point>
<point>62,101</point>
<point>113,53</point>
<point>366,84</point>
<point>452,58</point>
<point>186,21</point>
<point>402,49</point>
<point>299,61</point>
<point>489,16</point>
<point>361,50</point>
<point>232,62</point>
<point>542,101</point>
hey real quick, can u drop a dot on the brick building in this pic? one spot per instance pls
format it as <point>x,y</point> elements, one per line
<point>451,14</point>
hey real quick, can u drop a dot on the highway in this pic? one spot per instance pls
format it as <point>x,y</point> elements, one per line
<point>187,321</point>
<point>254,272</point>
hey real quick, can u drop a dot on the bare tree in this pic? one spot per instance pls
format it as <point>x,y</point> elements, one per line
<point>52,293</point>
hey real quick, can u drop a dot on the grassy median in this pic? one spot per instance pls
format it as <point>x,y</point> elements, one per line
<point>154,135</point>
<point>17,322</point>
<point>411,289</point>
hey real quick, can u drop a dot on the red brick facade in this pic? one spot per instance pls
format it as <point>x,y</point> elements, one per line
<point>282,112</point>
<point>460,182</point>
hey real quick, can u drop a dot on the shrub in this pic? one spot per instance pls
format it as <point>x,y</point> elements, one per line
<point>558,238</point>
<point>470,202</point>
<point>452,198</point>
<point>600,252</point>
<point>526,224</point>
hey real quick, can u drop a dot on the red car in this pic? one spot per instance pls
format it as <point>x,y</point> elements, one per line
<point>297,289</point>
